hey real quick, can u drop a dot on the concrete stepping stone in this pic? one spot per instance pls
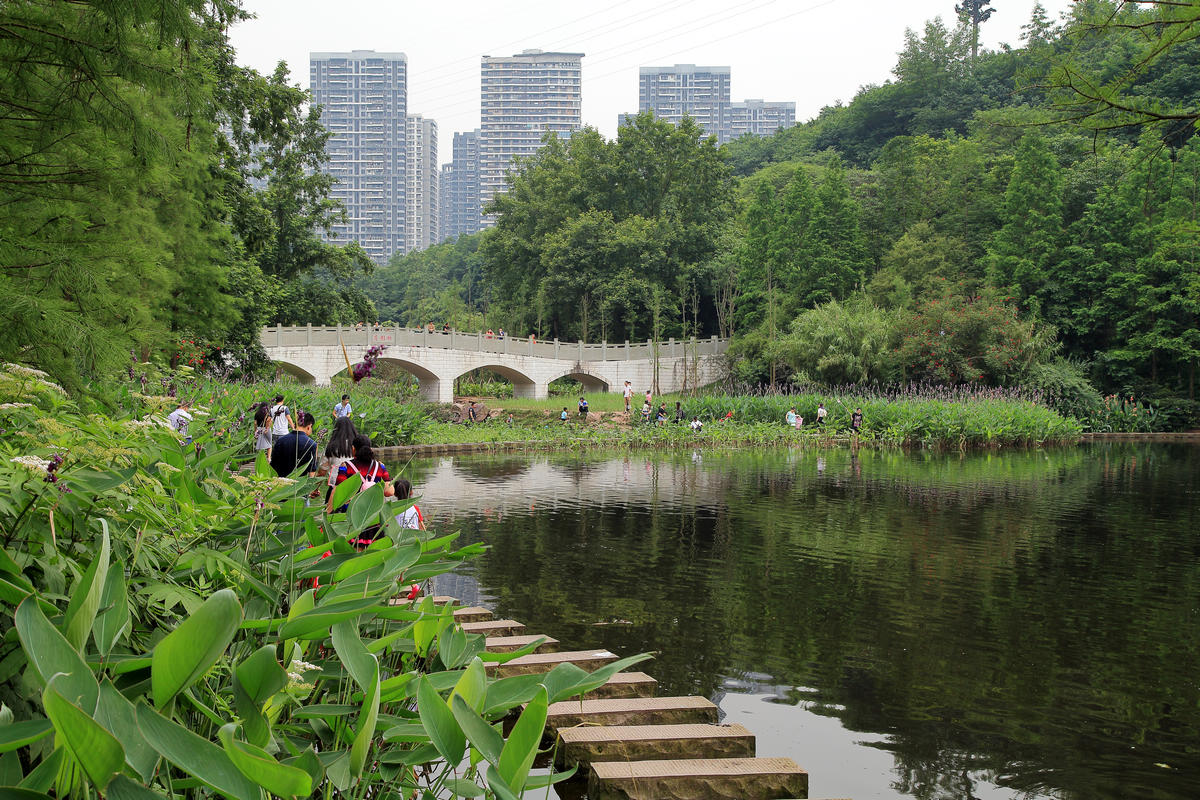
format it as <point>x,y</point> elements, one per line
<point>587,743</point>
<point>625,685</point>
<point>631,711</point>
<point>472,614</point>
<point>507,644</point>
<point>494,627</point>
<point>544,662</point>
<point>708,778</point>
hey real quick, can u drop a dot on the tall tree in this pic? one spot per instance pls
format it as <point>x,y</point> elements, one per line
<point>975,13</point>
<point>839,261</point>
<point>1024,250</point>
<point>104,154</point>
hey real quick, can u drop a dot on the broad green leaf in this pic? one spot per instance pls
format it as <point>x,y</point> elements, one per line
<point>93,482</point>
<point>362,666</point>
<point>17,793</point>
<point>456,648</point>
<point>498,786</point>
<point>522,745</point>
<point>472,686</point>
<point>16,735</point>
<point>463,787</point>
<point>425,628</point>
<point>508,693</point>
<point>119,717</point>
<point>41,777</point>
<point>365,507</point>
<point>258,765</point>
<point>195,755</point>
<point>444,731</point>
<point>260,675</point>
<point>85,600</point>
<point>482,736</point>
<point>315,623</point>
<point>599,677</point>
<point>542,781</point>
<point>367,721</point>
<point>96,750</point>
<point>51,654</point>
<point>122,788</point>
<point>113,619</point>
<point>187,652</point>
<point>409,732</point>
<point>364,669</point>
<point>345,490</point>
<point>10,767</point>
<point>310,763</point>
<point>359,563</point>
<point>262,467</point>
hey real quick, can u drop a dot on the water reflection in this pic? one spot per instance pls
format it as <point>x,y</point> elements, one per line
<point>992,625</point>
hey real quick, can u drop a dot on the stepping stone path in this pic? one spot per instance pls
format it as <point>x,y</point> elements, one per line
<point>632,744</point>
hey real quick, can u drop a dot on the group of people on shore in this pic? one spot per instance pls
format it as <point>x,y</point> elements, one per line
<point>794,420</point>
<point>291,451</point>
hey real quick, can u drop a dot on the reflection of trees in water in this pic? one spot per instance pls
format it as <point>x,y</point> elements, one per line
<point>492,468</point>
<point>1028,618</point>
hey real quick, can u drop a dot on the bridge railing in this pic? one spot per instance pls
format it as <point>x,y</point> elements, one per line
<point>359,338</point>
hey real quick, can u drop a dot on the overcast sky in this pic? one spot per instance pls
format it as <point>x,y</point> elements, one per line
<point>814,52</point>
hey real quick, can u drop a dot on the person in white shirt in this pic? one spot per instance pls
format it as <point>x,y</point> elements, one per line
<point>822,412</point>
<point>342,409</point>
<point>628,395</point>
<point>696,424</point>
<point>179,418</point>
<point>281,420</point>
<point>410,517</point>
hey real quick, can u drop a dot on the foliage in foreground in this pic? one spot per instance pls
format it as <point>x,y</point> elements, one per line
<point>171,629</point>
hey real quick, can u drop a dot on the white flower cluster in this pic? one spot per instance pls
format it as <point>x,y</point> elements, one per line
<point>28,372</point>
<point>16,405</point>
<point>296,672</point>
<point>141,423</point>
<point>32,463</point>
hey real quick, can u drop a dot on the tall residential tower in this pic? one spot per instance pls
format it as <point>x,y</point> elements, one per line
<point>364,98</point>
<point>461,188</point>
<point>421,191</point>
<point>523,97</point>
<point>685,90</point>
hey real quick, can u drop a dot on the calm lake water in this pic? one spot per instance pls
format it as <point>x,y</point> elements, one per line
<point>996,625</point>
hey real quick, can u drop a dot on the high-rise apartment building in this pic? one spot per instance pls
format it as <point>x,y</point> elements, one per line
<point>364,99</point>
<point>421,190</point>
<point>685,90</point>
<point>523,97</point>
<point>464,211</point>
<point>757,118</point>
<point>445,202</point>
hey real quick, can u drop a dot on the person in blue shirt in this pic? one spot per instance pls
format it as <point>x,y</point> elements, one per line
<point>583,408</point>
<point>342,409</point>
<point>563,415</point>
<point>296,450</point>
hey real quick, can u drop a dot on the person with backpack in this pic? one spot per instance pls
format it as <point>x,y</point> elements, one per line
<point>410,517</point>
<point>262,429</point>
<point>281,420</point>
<point>363,464</point>
<point>296,451</point>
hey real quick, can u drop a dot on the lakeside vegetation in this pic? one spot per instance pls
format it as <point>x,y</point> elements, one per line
<point>173,630</point>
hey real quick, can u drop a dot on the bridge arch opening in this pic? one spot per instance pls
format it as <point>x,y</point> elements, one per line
<point>299,373</point>
<point>429,385</point>
<point>589,384</point>
<point>522,384</point>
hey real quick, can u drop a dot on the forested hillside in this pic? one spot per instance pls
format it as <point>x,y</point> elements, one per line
<point>1023,216</point>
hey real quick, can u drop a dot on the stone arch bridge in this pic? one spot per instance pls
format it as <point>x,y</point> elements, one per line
<point>316,355</point>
